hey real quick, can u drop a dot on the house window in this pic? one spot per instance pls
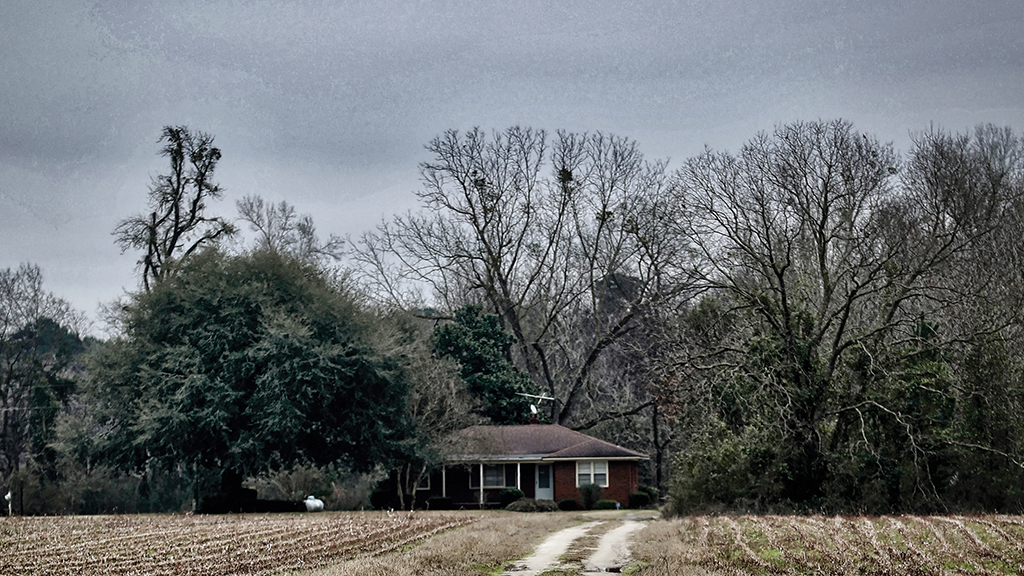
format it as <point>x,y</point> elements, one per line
<point>424,483</point>
<point>495,476</point>
<point>592,472</point>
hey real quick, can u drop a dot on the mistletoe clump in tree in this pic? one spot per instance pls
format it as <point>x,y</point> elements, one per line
<point>177,225</point>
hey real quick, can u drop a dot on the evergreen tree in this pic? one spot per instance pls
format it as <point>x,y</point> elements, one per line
<point>481,346</point>
<point>240,364</point>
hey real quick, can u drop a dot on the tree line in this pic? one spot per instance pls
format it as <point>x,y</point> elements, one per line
<point>813,322</point>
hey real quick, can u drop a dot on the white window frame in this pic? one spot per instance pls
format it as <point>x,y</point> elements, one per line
<point>424,483</point>
<point>587,468</point>
<point>474,477</point>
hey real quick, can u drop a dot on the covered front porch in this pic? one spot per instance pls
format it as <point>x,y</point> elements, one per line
<point>480,483</point>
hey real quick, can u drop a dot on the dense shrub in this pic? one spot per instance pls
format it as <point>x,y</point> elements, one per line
<point>509,495</point>
<point>724,469</point>
<point>589,493</point>
<point>96,490</point>
<point>350,491</point>
<point>531,505</point>
<point>439,503</point>
<point>568,505</point>
<point>295,484</point>
<point>381,499</point>
<point>651,491</point>
<point>605,505</point>
<point>639,500</point>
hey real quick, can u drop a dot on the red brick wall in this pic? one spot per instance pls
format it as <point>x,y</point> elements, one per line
<point>623,479</point>
<point>565,481</point>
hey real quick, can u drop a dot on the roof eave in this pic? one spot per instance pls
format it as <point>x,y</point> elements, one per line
<point>494,457</point>
<point>574,458</point>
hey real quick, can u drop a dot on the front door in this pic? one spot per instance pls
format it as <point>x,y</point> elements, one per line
<point>545,488</point>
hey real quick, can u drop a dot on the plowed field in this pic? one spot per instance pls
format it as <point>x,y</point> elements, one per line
<point>208,545</point>
<point>897,545</point>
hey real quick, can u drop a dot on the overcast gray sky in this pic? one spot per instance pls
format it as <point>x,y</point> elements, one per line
<point>328,104</point>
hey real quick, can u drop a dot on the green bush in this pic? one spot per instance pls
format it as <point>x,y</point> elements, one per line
<point>96,490</point>
<point>531,505</point>
<point>727,470</point>
<point>381,499</point>
<point>639,500</point>
<point>651,491</point>
<point>350,491</point>
<point>568,505</point>
<point>509,495</point>
<point>295,483</point>
<point>547,506</point>
<point>605,505</point>
<point>589,493</point>
<point>439,503</point>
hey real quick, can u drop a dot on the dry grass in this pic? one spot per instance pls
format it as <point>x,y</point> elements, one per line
<point>492,541</point>
<point>208,545</point>
<point>662,548</point>
<point>903,545</point>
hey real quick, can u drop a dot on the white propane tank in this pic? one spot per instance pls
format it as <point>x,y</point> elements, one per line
<point>313,504</point>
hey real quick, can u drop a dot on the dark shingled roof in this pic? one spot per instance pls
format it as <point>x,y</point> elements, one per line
<point>532,440</point>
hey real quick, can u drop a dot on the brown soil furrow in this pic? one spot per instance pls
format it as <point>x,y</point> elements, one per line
<point>818,545</point>
<point>243,550</point>
<point>741,543</point>
<point>1014,542</point>
<point>834,550</point>
<point>913,549</point>
<point>958,553</point>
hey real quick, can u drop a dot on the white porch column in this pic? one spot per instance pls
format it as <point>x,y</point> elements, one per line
<point>481,484</point>
<point>518,476</point>
<point>444,481</point>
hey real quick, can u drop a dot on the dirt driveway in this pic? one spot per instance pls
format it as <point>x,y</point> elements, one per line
<point>601,545</point>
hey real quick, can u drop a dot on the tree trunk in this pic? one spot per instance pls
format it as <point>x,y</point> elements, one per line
<point>659,450</point>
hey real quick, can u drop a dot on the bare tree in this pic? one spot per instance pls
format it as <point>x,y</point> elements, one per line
<point>280,229</point>
<point>824,272</point>
<point>33,354</point>
<point>568,242</point>
<point>177,225</point>
<point>437,400</point>
<point>788,238</point>
<point>968,191</point>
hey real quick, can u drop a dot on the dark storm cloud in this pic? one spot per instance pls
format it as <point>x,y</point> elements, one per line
<point>328,105</point>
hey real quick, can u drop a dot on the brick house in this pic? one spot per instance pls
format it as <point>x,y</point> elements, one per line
<point>545,461</point>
